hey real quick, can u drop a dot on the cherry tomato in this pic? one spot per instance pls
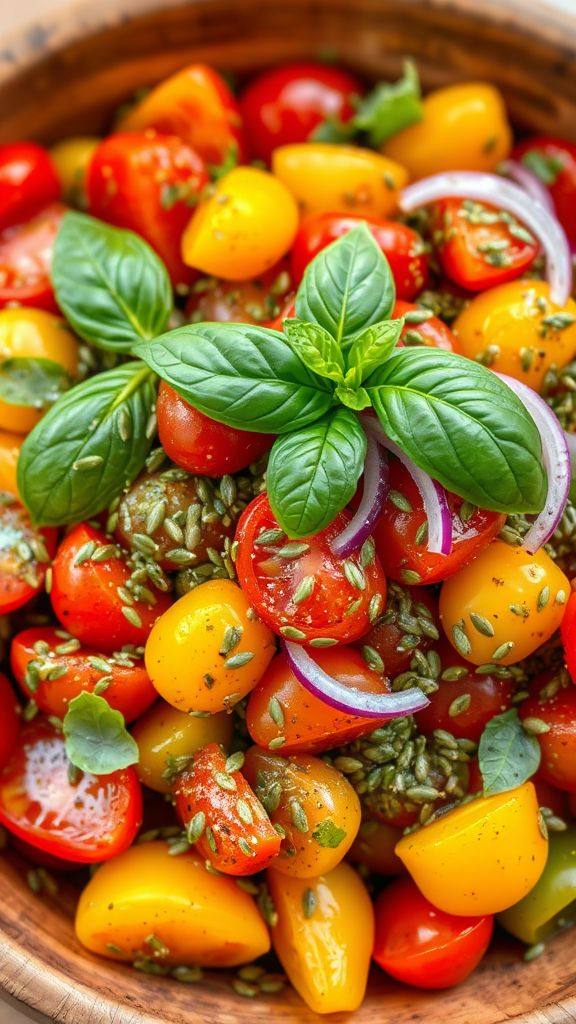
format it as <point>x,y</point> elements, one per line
<point>9,720</point>
<point>288,312</point>
<point>197,105</point>
<point>71,158</point>
<point>556,800</point>
<point>10,445</point>
<point>85,593</point>
<point>246,302</point>
<point>52,670</point>
<point>554,162</point>
<point>568,631</point>
<point>234,832</point>
<point>26,259</point>
<point>401,541</point>
<point>24,555</point>
<point>28,181</point>
<point>558,743</point>
<point>168,738</point>
<point>199,444</point>
<point>480,246</point>
<point>421,327</point>
<point>149,183</point>
<point>374,847</point>
<point>280,708</point>
<point>423,946</point>
<point>86,821</point>
<point>287,103</point>
<point>409,623</point>
<point>402,247</point>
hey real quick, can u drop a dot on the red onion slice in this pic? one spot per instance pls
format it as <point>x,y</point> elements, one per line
<point>556,458</point>
<point>433,495</point>
<point>376,486</point>
<point>345,698</point>
<point>571,443</point>
<point>529,181</point>
<point>490,188</point>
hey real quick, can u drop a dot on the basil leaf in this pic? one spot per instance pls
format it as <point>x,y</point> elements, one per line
<point>353,398</point>
<point>459,422</point>
<point>547,168</point>
<point>347,287</point>
<point>35,383</point>
<point>96,737</point>
<point>327,833</point>
<point>110,285</point>
<point>240,374</point>
<point>507,755</point>
<point>370,349</point>
<point>333,130</point>
<point>313,473</point>
<point>90,445</point>
<point>316,348</point>
<point>390,107</point>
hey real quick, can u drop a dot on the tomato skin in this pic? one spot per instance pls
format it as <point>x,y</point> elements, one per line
<point>402,247</point>
<point>28,181</point>
<point>26,259</point>
<point>287,103</point>
<point>9,720</point>
<point>199,444</point>
<point>71,159</point>
<point>374,847</point>
<point>10,445</point>
<point>568,634</point>
<point>416,607</point>
<point>86,823</point>
<point>563,188</point>
<point>310,725</point>
<point>431,331</point>
<point>270,582</point>
<point>197,790</point>
<point>396,530</point>
<point>85,599</point>
<point>21,578</point>
<point>558,745</point>
<point>166,735</point>
<point>130,690</point>
<point>422,946</point>
<point>148,183</point>
<point>246,302</point>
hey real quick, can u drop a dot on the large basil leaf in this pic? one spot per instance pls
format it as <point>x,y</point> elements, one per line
<point>110,285</point>
<point>240,374</point>
<point>96,737</point>
<point>32,382</point>
<point>90,445</point>
<point>507,755</point>
<point>347,287</point>
<point>313,473</point>
<point>463,425</point>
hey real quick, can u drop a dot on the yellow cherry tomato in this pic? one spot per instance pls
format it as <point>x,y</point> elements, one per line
<point>208,650</point>
<point>481,858</point>
<point>503,605</point>
<point>71,158</point>
<point>463,128</point>
<point>167,739</point>
<point>245,226</point>
<point>324,937</point>
<point>10,445</point>
<point>148,904</point>
<point>327,176</point>
<point>40,335</point>
<point>517,329</point>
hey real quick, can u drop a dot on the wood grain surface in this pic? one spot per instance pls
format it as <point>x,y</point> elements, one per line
<point>66,72</point>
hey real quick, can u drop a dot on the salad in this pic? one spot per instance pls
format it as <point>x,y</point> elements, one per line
<point>287,410</point>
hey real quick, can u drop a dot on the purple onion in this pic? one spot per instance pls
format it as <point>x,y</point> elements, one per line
<point>529,181</point>
<point>376,487</point>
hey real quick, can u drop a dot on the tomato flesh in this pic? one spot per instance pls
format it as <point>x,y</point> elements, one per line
<point>26,260</point>
<point>24,556</point>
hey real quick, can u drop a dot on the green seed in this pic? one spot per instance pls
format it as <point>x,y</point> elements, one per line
<point>533,952</point>
<point>481,624</point>
<point>309,902</point>
<point>225,781</point>
<point>211,840</point>
<point>85,552</point>
<point>399,500</point>
<point>269,537</point>
<point>102,685</point>
<point>520,610</point>
<point>560,597</point>
<point>543,598</point>
<point>367,553</point>
<point>298,815</point>
<point>159,947</point>
<point>239,660</point>
<point>323,641</point>
<point>88,462</point>
<point>232,637</point>
<point>246,848</point>
<point>252,972</point>
<point>275,711</point>
<point>421,534</point>
<point>294,550</point>
<point>277,742</point>
<point>353,607</point>
<point>291,633</point>
<point>535,726</point>
<point>354,575</point>
<point>188,975</point>
<point>242,988</point>
<point>410,576</point>
<point>467,510</point>
<point>113,948</point>
<point>459,705</point>
<point>131,615</point>
<point>460,638</point>
<point>100,664</point>
<point>304,590</point>
<point>453,673</point>
<point>421,794</point>
<point>195,827</point>
<point>372,658</point>
<point>235,761</point>
<point>244,812</point>
<point>272,985</point>
<point>180,556</point>
<point>375,607</point>
<point>502,650</point>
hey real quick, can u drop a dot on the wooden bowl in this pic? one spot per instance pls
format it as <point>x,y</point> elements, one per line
<point>66,75</point>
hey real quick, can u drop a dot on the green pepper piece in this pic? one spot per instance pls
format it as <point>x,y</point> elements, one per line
<point>550,906</point>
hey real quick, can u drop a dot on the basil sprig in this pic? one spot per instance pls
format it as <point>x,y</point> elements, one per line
<point>507,754</point>
<point>386,110</point>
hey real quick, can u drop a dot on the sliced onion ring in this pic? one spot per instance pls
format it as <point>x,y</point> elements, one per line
<point>490,188</point>
<point>571,443</point>
<point>556,458</point>
<point>346,698</point>
<point>433,495</point>
<point>376,487</point>
<point>529,181</point>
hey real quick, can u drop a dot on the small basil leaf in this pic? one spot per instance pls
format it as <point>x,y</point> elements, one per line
<point>240,374</point>
<point>461,424</point>
<point>370,349</point>
<point>35,383</point>
<point>390,107</point>
<point>347,287</point>
<point>547,168</point>
<point>313,472</point>
<point>96,737</point>
<point>327,833</point>
<point>89,446</point>
<point>507,755</point>
<point>316,348</point>
<point>353,398</point>
<point>333,130</point>
<point>110,285</point>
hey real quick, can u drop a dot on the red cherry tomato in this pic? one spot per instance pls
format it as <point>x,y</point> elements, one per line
<point>85,594</point>
<point>200,444</point>
<point>558,745</point>
<point>28,181</point>
<point>409,623</point>
<point>289,311</point>
<point>568,633</point>
<point>247,302</point>
<point>422,946</point>
<point>549,796</point>
<point>9,720</point>
<point>422,328</point>
<point>39,655</point>
<point>334,608</point>
<point>150,184</point>
<point>24,556</point>
<point>554,162</point>
<point>89,820</point>
<point>401,245</point>
<point>26,260</point>
<point>477,245</point>
<point>286,104</point>
<point>403,553</point>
